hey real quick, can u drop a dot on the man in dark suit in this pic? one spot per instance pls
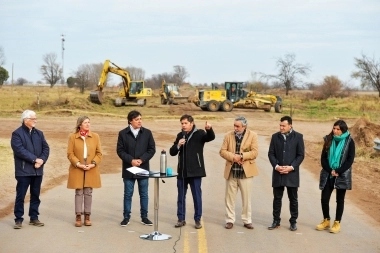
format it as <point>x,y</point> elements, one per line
<point>135,147</point>
<point>286,153</point>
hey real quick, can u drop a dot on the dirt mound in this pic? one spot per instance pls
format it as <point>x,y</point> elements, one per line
<point>364,132</point>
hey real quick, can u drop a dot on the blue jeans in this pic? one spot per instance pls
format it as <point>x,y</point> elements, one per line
<point>22,186</point>
<point>129,184</point>
<point>196,191</point>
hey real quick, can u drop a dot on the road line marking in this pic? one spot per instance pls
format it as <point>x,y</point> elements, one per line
<point>202,241</point>
<point>186,247</point>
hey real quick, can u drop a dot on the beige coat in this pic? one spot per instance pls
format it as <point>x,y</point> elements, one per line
<point>77,178</point>
<point>249,148</point>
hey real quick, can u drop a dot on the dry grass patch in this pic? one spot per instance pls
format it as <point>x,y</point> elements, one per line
<point>6,162</point>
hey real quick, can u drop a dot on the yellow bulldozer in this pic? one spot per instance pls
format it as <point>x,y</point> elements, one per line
<point>131,92</point>
<point>234,96</point>
<point>169,94</point>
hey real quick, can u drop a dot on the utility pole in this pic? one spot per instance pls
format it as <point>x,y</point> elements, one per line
<point>63,61</point>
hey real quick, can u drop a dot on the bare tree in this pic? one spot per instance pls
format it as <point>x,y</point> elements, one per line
<point>82,76</point>
<point>136,73</point>
<point>95,70</point>
<point>289,72</point>
<point>2,56</point>
<point>51,70</point>
<point>330,87</point>
<point>155,81</point>
<point>180,74</point>
<point>368,73</point>
<point>87,76</point>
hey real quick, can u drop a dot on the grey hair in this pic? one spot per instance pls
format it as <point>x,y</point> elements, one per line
<point>27,114</point>
<point>242,119</point>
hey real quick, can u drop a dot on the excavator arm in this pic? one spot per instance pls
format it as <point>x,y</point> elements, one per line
<point>96,96</point>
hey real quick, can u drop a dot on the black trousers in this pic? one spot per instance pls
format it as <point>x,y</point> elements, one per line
<point>278,192</point>
<point>325,200</point>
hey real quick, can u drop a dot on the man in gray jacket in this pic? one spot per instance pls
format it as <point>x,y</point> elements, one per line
<point>286,153</point>
<point>30,151</point>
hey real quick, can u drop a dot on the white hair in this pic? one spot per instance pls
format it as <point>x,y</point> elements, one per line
<point>27,114</point>
<point>242,119</point>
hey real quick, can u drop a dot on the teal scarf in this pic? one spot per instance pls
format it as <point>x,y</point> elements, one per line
<point>336,150</point>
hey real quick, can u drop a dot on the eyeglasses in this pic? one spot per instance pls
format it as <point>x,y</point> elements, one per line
<point>32,118</point>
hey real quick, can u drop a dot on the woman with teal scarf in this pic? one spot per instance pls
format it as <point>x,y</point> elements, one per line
<point>337,157</point>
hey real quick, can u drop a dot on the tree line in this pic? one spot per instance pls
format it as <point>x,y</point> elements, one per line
<point>288,76</point>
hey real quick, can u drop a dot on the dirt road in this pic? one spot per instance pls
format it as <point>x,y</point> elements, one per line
<point>360,232</point>
<point>58,128</point>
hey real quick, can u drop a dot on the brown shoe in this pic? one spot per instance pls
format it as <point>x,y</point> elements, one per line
<point>180,223</point>
<point>249,226</point>
<point>18,225</point>
<point>36,223</point>
<point>78,220</point>
<point>198,225</point>
<point>229,225</point>
<point>87,221</point>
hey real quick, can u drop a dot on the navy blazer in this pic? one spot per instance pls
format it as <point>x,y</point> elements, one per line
<point>27,147</point>
<point>128,148</point>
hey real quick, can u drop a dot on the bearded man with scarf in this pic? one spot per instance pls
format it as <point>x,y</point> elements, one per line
<point>337,157</point>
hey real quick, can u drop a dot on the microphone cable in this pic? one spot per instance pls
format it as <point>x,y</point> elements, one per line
<point>183,152</point>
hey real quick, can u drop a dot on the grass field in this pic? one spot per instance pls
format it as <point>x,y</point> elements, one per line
<point>63,100</point>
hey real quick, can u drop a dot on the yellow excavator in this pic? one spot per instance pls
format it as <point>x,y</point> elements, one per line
<point>132,92</point>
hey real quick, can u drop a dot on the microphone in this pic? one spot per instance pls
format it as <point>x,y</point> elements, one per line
<point>184,134</point>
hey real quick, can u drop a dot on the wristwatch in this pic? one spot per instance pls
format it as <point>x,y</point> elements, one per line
<point>94,163</point>
<point>241,156</point>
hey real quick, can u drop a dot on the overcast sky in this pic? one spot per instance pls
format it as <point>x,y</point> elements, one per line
<point>215,40</point>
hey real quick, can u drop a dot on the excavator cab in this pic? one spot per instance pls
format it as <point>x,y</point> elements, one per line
<point>136,88</point>
<point>235,91</point>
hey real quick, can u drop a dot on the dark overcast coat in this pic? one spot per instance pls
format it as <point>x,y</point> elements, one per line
<point>286,153</point>
<point>190,157</point>
<point>128,148</point>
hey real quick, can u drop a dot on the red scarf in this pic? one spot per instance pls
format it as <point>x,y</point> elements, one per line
<point>83,133</point>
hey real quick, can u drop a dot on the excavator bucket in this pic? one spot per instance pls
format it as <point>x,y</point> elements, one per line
<point>96,97</point>
<point>178,100</point>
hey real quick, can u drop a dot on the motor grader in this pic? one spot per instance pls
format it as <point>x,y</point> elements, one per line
<point>234,96</point>
<point>131,92</point>
<point>169,94</point>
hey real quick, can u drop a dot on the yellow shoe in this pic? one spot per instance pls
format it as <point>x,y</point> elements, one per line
<point>325,224</point>
<point>335,228</point>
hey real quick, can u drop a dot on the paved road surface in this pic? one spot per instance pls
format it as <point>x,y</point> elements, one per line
<point>359,232</point>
